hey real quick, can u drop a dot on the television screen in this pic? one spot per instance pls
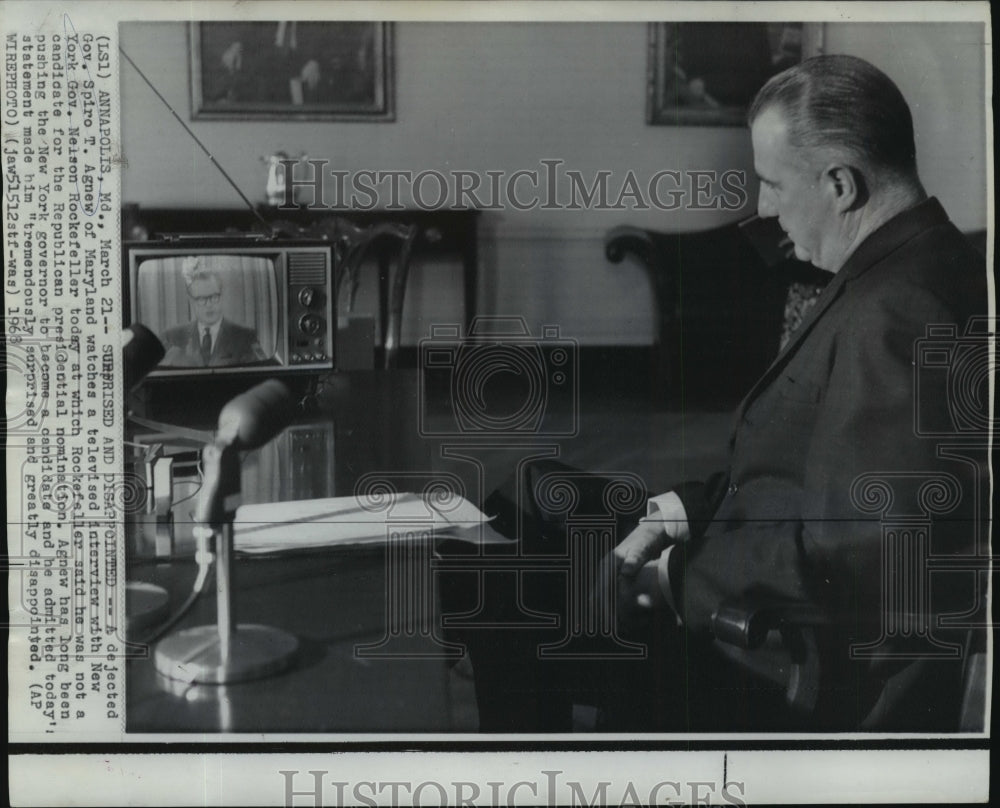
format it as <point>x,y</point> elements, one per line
<point>211,310</point>
<point>230,310</point>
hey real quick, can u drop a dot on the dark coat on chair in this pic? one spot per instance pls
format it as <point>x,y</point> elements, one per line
<point>825,452</point>
<point>235,345</point>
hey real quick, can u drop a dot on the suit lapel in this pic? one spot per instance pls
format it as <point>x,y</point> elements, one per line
<point>220,341</point>
<point>194,341</point>
<point>833,290</point>
<point>883,241</point>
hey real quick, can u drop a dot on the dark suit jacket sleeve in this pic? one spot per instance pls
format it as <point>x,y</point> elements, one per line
<point>860,421</point>
<point>247,345</point>
<point>701,499</point>
<point>237,345</point>
<point>176,335</point>
<point>179,342</point>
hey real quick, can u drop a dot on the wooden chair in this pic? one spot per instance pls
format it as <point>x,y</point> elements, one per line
<point>721,300</point>
<point>791,649</point>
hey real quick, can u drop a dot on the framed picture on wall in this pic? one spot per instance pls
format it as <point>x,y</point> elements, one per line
<point>339,71</point>
<point>707,73</point>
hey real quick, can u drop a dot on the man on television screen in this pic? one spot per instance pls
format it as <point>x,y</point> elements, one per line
<point>210,340</point>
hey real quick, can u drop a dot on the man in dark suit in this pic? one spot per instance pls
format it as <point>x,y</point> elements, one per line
<point>209,340</point>
<point>822,442</point>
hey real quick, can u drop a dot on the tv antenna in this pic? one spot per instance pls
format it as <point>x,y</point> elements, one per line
<point>194,137</point>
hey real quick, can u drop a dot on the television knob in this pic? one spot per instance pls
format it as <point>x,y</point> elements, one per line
<point>307,296</point>
<point>310,324</point>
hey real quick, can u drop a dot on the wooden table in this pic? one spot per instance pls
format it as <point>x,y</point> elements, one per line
<point>344,679</point>
<point>367,425</point>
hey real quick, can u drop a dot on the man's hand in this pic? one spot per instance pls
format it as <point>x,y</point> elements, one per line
<point>174,356</point>
<point>630,572</point>
<point>640,596</point>
<point>643,544</point>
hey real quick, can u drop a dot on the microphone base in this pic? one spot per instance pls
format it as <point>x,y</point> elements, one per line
<point>146,605</point>
<point>196,655</point>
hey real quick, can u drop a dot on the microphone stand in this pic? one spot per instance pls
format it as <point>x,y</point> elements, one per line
<point>224,652</point>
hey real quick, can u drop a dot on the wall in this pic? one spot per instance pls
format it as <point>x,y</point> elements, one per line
<point>505,96</point>
<point>940,71</point>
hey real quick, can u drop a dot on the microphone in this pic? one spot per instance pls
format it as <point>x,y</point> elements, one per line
<point>246,422</point>
<point>227,652</point>
<point>254,417</point>
<point>142,352</point>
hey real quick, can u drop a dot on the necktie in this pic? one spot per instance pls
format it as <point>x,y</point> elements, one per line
<point>206,346</point>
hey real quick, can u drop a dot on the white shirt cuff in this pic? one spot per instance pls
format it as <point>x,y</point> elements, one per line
<point>663,578</point>
<point>668,509</point>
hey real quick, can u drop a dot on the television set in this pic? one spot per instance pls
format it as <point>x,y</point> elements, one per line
<point>230,313</point>
<point>253,308</point>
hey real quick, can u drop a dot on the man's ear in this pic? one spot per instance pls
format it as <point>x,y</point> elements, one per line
<point>846,186</point>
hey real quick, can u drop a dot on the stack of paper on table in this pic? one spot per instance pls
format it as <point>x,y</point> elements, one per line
<point>315,523</point>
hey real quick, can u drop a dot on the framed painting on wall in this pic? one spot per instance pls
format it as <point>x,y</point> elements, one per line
<point>339,71</point>
<point>707,73</point>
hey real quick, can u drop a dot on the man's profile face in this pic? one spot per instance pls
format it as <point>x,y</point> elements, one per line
<point>790,189</point>
<point>206,299</point>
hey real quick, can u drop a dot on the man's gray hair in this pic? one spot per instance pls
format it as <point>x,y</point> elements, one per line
<point>845,103</point>
<point>203,275</point>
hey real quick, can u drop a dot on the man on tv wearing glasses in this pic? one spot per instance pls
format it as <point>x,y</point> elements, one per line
<point>210,340</point>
